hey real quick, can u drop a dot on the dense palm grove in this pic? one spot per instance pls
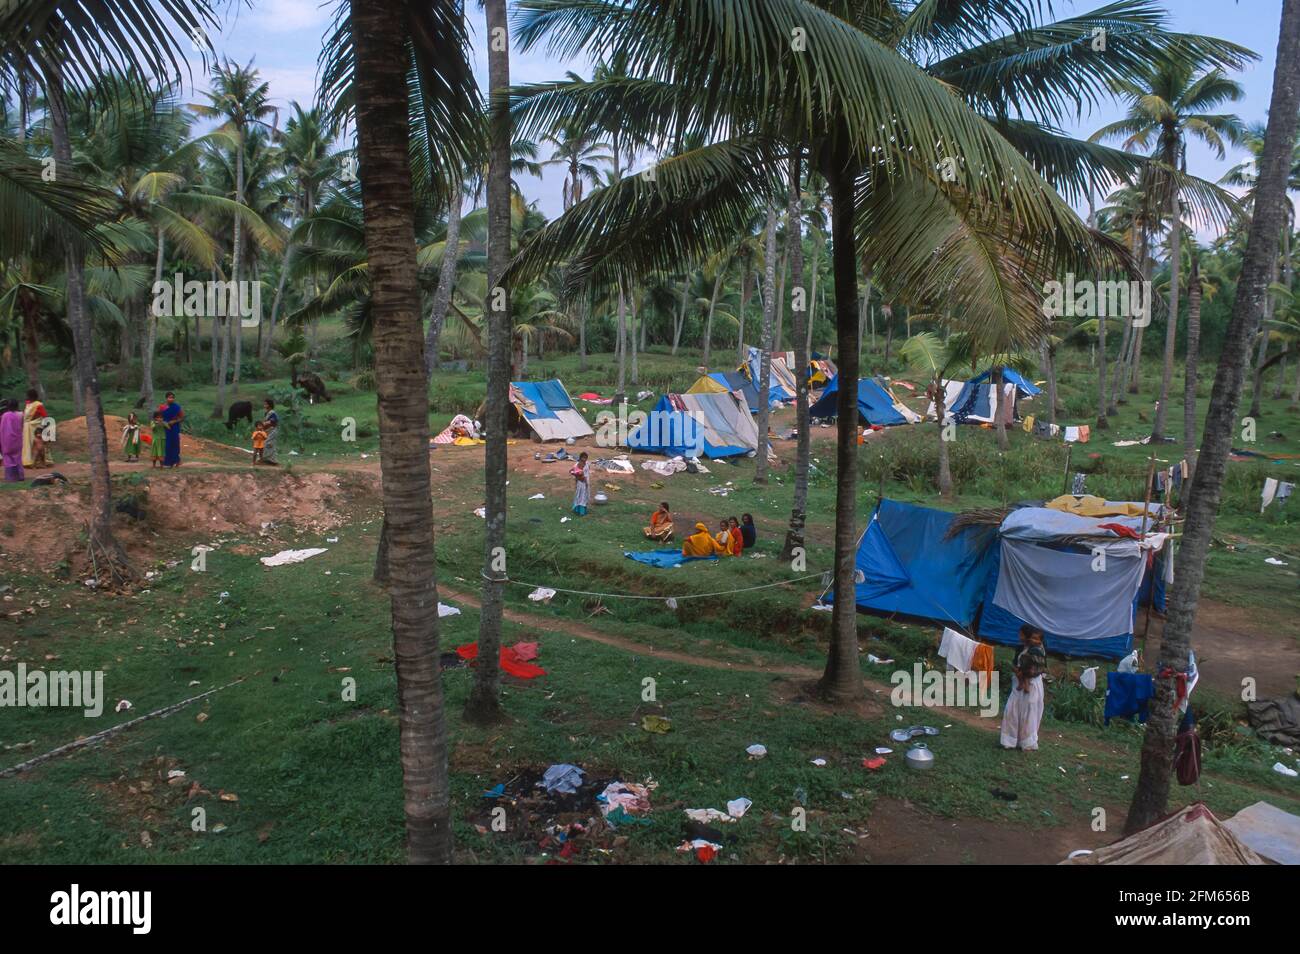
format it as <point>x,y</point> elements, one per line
<point>788,174</point>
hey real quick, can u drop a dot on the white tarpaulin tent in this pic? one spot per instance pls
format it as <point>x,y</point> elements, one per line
<point>547,408</point>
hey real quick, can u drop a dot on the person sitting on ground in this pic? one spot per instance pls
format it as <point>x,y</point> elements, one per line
<point>158,439</point>
<point>735,539</point>
<point>1024,711</point>
<point>661,524</point>
<point>723,536</point>
<point>702,544</point>
<point>259,440</point>
<point>748,532</point>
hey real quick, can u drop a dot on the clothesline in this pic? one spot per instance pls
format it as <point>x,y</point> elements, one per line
<point>688,596</point>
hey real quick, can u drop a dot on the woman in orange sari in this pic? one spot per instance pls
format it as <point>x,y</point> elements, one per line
<point>661,524</point>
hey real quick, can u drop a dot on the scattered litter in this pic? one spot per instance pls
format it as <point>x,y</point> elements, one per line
<point>445,610</point>
<point>757,751</point>
<point>292,556</point>
<point>564,520</point>
<point>496,791</point>
<point>704,850</point>
<point>737,807</point>
<point>656,724</point>
<point>884,750</point>
<point>331,539</point>
<point>481,512</point>
<point>622,799</point>
<point>1088,679</point>
<point>1283,769</point>
<point>873,764</point>
<point>1275,561</point>
<point>820,763</point>
<point>706,815</point>
<point>542,594</point>
<point>562,778</point>
<point>122,705</point>
<point>871,658</point>
<point>537,497</point>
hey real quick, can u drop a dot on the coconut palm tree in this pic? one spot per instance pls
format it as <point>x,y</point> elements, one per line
<point>1151,796</point>
<point>240,99</point>
<point>1174,102</point>
<point>483,705</point>
<point>309,166</point>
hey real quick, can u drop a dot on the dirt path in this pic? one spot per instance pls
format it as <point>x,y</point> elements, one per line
<point>521,618</point>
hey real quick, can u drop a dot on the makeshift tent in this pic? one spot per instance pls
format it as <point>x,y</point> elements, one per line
<point>781,382</point>
<point>975,401</point>
<point>720,381</point>
<point>546,409</point>
<point>1268,831</point>
<point>694,425</point>
<point>876,405</point>
<point>911,569</point>
<point>821,370</point>
<point>1192,836</point>
<point>990,580</point>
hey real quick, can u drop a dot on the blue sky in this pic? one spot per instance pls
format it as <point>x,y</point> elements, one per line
<point>283,37</point>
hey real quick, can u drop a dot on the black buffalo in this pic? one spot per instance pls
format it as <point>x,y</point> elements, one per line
<point>239,410</point>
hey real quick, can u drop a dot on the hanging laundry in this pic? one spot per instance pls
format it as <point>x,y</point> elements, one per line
<point>1270,491</point>
<point>1128,694</point>
<point>1085,432</point>
<point>1027,425</point>
<point>957,649</point>
<point>1071,435</point>
<point>1284,491</point>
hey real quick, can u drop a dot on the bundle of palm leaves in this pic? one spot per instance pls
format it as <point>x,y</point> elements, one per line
<point>981,517</point>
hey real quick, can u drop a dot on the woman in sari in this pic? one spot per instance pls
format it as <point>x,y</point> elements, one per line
<point>701,543</point>
<point>172,414</point>
<point>34,415</point>
<point>748,532</point>
<point>581,488</point>
<point>11,440</point>
<point>271,422</point>
<point>661,524</point>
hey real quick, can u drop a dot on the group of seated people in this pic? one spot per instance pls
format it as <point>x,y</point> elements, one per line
<point>733,537</point>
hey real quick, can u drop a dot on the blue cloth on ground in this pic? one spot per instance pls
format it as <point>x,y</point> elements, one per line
<point>1128,694</point>
<point>662,558</point>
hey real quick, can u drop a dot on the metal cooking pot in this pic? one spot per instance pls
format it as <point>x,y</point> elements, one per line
<point>920,757</point>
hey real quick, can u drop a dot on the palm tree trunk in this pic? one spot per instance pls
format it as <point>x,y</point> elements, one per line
<point>620,390</point>
<point>1257,381</point>
<point>151,334</point>
<point>1190,366</point>
<point>109,560</point>
<point>582,335</point>
<point>1171,328</point>
<point>794,539</point>
<point>265,341</point>
<point>681,315</point>
<point>484,703</point>
<point>31,343</point>
<point>237,326</point>
<point>765,343</point>
<point>940,409</point>
<point>388,201</point>
<point>1152,794</point>
<point>446,280</point>
<point>999,408</point>
<point>842,680</point>
<point>634,329</point>
<point>708,322</point>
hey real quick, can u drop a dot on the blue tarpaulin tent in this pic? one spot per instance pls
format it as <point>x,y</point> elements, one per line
<point>1024,387</point>
<point>911,569</point>
<point>694,425</point>
<point>875,406</point>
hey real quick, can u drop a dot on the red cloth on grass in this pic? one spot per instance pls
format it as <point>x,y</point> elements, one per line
<point>511,663</point>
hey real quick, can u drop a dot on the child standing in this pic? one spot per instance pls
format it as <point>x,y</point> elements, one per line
<point>131,438</point>
<point>158,438</point>
<point>259,441</point>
